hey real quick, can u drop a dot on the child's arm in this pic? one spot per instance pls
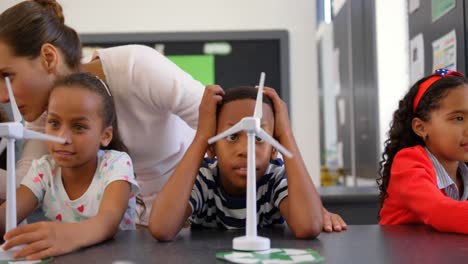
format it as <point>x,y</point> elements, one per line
<point>171,208</point>
<point>26,202</point>
<point>46,239</point>
<point>302,209</point>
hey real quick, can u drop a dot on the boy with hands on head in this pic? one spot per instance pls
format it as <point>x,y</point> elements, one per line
<point>213,194</point>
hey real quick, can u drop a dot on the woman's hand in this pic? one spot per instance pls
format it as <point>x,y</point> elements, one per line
<point>41,240</point>
<point>212,96</point>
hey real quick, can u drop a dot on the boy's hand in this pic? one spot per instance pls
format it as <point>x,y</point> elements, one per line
<point>212,96</point>
<point>41,240</point>
<point>282,125</point>
<point>332,222</point>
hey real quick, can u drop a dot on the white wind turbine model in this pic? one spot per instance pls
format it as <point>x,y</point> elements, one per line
<point>10,132</point>
<point>251,126</point>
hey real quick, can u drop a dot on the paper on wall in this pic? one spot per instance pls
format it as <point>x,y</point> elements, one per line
<point>416,58</point>
<point>444,52</point>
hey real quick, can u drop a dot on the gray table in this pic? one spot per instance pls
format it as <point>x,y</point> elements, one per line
<point>360,244</point>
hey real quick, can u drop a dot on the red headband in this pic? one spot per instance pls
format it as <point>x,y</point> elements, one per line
<point>438,74</point>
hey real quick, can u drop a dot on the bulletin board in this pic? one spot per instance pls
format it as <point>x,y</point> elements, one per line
<point>227,58</point>
<point>435,19</point>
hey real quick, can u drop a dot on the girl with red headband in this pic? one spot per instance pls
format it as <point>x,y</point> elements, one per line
<point>424,178</point>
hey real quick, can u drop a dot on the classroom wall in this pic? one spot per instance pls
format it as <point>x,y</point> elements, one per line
<point>392,59</point>
<point>298,17</point>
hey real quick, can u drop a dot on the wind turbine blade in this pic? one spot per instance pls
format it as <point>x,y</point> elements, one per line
<point>263,135</point>
<point>14,107</point>
<point>29,134</point>
<point>234,129</point>
<point>259,102</point>
<point>3,145</point>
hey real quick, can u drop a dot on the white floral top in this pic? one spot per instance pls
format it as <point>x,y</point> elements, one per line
<point>44,179</point>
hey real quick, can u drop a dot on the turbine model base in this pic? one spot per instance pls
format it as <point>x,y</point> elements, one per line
<point>8,254</point>
<point>251,243</point>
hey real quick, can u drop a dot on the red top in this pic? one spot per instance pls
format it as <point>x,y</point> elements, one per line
<point>414,197</point>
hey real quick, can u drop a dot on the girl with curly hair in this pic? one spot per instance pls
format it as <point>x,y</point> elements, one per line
<point>423,175</point>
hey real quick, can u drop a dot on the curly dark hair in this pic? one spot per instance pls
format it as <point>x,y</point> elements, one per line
<point>401,134</point>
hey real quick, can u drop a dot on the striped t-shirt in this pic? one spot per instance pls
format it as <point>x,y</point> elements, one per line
<point>213,207</point>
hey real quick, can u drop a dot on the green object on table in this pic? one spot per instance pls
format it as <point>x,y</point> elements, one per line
<point>278,255</point>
